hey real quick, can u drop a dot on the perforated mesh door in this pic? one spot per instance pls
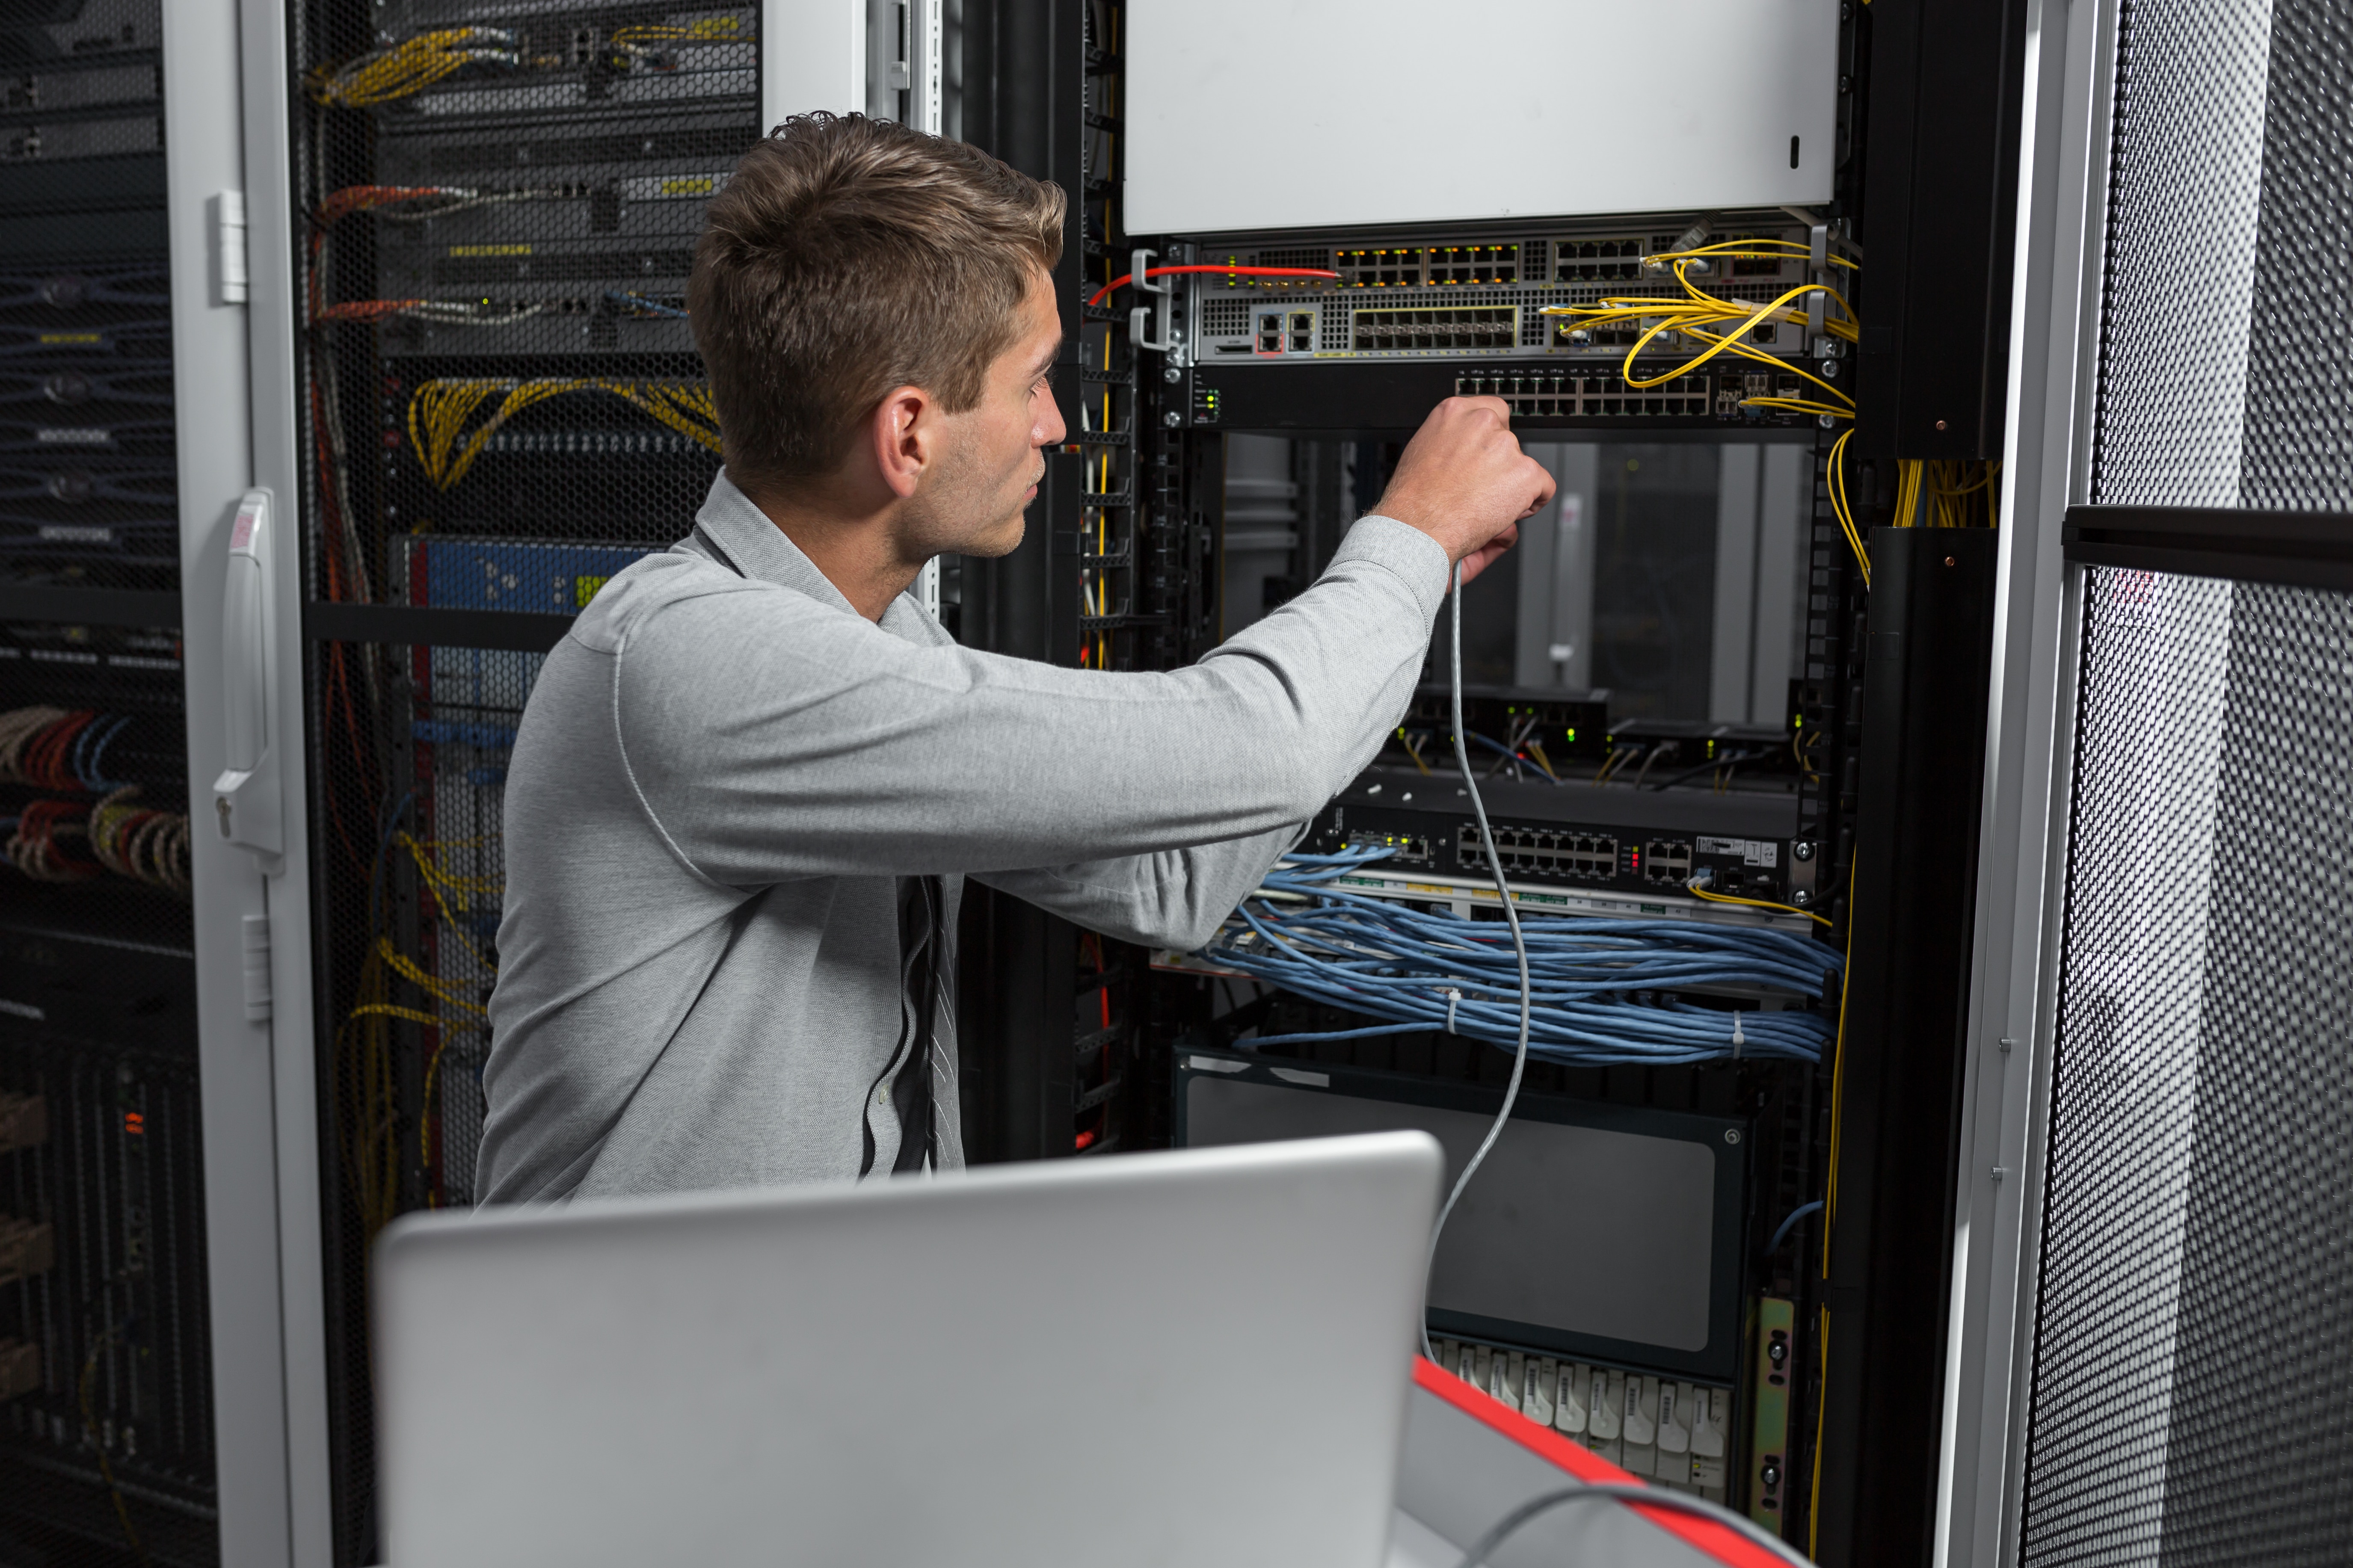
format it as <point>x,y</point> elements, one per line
<point>2193,1347</point>
<point>503,407</point>
<point>2225,265</point>
<point>2297,445</point>
<point>2185,180</point>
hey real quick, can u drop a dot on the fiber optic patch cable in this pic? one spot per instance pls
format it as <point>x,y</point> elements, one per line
<point>438,411</point>
<point>1695,311</point>
<point>403,69</point>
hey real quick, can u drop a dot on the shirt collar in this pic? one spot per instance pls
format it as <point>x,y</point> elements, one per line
<point>731,524</point>
<point>757,548</point>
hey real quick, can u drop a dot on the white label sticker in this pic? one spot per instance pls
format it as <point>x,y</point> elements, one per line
<point>1752,851</point>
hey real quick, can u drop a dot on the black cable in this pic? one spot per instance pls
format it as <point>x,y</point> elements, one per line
<point>1631,1492</point>
<point>1729,760</point>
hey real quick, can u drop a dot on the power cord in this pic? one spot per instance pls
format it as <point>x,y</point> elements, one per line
<point>1628,1492</point>
<point>1519,947</point>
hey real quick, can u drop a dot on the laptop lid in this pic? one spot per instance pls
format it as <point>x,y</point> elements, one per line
<point>1192,1358</point>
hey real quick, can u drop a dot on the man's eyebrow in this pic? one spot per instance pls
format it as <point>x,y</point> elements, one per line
<point>1046,362</point>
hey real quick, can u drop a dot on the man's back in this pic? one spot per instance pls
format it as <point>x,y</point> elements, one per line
<point>726,782</point>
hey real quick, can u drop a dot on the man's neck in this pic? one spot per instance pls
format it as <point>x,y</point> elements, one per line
<point>854,547</point>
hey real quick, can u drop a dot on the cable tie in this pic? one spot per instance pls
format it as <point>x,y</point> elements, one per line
<point>1737,1037</point>
<point>1452,997</point>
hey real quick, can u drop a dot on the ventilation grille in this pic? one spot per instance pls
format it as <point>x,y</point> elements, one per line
<point>2192,1344</point>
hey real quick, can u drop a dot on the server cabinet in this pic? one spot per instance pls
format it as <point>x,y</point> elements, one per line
<point>121,1109</point>
<point>473,398</point>
<point>2145,1244</point>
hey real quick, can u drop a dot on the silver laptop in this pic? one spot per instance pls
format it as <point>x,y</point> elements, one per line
<point>1181,1359</point>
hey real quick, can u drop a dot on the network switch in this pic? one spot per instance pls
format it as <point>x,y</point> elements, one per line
<point>1483,300</point>
<point>1635,849</point>
<point>1368,333</point>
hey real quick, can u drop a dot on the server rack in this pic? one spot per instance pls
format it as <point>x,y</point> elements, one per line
<point>1882,811</point>
<point>432,374</point>
<point>107,1413</point>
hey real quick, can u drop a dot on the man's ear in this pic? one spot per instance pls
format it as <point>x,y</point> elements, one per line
<point>900,433</point>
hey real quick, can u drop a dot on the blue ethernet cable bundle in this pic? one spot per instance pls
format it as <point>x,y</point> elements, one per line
<point>1604,990</point>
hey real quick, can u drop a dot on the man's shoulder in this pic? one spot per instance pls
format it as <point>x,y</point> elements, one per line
<point>636,597</point>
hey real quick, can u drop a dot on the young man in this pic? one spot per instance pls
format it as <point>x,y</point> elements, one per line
<point>751,780</point>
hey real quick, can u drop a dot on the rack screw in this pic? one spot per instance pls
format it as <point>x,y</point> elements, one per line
<point>1172,419</point>
<point>1732,1134</point>
<point>1172,375</point>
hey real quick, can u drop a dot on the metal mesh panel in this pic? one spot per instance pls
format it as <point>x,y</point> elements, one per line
<point>87,484</point>
<point>2154,655</point>
<point>105,1350</point>
<point>106,1436</point>
<point>504,408</point>
<point>2185,181</point>
<point>412,751</point>
<point>501,222</point>
<point>2298,442</point>
<point>2192,1347</point>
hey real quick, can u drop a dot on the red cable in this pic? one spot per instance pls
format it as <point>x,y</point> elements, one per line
<point>44,758</point>
<point>1118,283</point>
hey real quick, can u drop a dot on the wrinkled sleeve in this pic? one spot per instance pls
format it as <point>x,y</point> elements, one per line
<point>768,737</point>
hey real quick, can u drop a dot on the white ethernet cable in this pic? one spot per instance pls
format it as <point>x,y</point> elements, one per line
<point>1519,945</point>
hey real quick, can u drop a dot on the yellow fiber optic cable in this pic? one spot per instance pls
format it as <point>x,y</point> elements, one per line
<point>1838,505</point>
<point>438,411</point>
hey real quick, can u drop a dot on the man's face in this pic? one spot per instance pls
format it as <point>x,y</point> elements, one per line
<point>972,502</point>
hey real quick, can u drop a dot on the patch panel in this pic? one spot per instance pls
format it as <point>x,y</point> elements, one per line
<point>1675,1432</point>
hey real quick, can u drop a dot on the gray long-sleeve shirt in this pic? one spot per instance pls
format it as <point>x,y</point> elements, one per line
<point>724,771</point>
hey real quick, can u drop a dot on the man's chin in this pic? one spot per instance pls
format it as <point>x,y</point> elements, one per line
<point>1001,539</point>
